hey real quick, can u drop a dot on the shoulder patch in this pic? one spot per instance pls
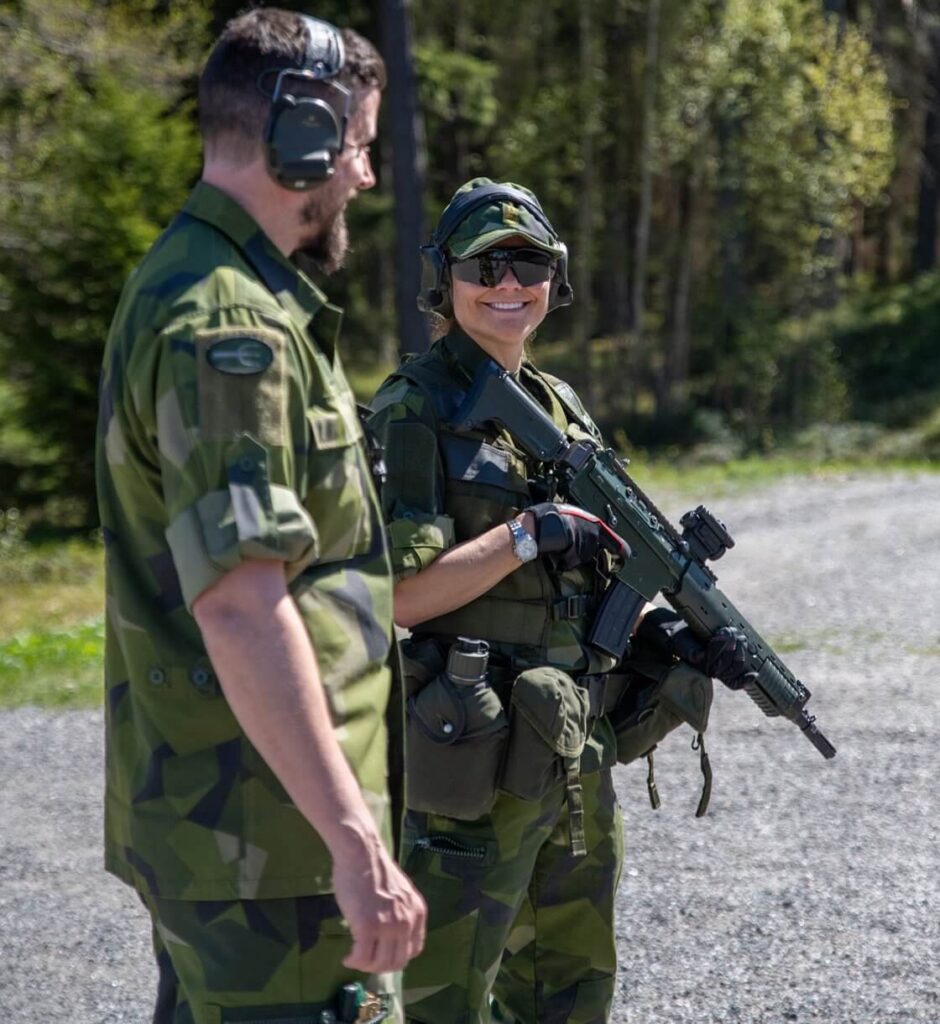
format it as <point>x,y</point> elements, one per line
<point>241,354</point>
<point>242,383</point>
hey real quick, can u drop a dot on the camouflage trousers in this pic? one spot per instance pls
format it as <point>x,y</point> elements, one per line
<point>266,961</point>
<point>519,929</point>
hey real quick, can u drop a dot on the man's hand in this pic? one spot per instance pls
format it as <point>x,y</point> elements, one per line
<point>723,656</point>
<point>385,913</point>
<point>570,537</point>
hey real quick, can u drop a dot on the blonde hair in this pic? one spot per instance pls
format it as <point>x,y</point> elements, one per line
<point>439,326</point>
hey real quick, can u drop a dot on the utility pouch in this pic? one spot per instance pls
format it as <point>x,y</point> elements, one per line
<point>455,736</point>
<point>421,661</point>
<point>548,729</point>
<point>655,703</point>
<point>658,701</point>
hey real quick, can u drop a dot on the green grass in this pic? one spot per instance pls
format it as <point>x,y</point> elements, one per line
<point>51,623</point>
<point>53,668</point>
<point>740,475</point>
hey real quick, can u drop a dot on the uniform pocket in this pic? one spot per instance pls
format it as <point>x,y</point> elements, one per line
<point>455,737</point>
<point>339,481</point>
<point>548,728</point>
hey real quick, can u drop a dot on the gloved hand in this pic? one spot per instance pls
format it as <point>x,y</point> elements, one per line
<point>723,656</point>
<point>569,536</point>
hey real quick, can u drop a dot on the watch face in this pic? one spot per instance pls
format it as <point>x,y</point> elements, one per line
<point>527,549</point>
<point>523,543</point>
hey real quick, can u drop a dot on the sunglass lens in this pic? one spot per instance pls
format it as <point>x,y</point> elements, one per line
<point>529,265</point>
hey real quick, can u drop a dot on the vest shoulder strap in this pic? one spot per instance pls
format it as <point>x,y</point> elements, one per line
<point>438,385</point>
<point>445,393</point>
<point>568,397</point>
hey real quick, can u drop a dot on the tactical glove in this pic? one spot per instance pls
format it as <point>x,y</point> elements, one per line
<point>723,656</point>
<point>568,536</point>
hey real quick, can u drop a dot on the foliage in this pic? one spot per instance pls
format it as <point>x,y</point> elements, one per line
<point>53,668</point>
<point>887,345</point>
<point>804,103</point>
<point>97,163</point>
<point>787,173</point>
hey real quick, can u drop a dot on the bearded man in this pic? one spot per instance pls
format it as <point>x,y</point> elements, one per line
<point>249,593</point>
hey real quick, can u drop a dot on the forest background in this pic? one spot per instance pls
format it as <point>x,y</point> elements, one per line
<point>749,192</point>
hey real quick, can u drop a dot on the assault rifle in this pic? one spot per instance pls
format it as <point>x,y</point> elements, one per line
<point>662,560</point>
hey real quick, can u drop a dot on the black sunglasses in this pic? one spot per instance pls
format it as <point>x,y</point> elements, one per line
<point>531,266</point>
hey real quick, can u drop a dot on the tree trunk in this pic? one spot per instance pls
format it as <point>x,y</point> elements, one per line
<point>925,247</point>
<point>644,212</point>
<point>674,379</point>
<point>583,258</point>
<point>408,169</point>
<point>731,228</point>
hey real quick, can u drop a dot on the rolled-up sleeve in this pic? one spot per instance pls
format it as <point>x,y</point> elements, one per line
<point>413,495</point>
<point>227,455</point>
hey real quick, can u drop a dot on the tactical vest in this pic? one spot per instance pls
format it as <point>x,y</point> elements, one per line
<point>544,616</point>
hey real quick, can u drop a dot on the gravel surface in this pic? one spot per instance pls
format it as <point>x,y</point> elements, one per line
<point>811,890</point>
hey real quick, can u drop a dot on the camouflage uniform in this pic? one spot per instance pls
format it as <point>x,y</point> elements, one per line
<point>512,912</point>
<point>227,432</point>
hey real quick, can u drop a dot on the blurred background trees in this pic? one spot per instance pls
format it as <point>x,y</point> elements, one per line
<point>749,191</point>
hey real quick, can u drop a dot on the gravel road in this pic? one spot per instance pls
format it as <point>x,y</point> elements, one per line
<point>810,892</point>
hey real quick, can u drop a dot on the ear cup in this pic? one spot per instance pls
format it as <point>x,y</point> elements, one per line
<point>303,139</point>
<point>562,294</point>
<point>434,296</point>
<point>304,134</point>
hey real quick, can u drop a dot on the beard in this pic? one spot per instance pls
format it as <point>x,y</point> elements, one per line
<point>324,249</point>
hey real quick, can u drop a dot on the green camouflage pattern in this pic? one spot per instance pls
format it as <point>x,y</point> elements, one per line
<point>498,221</point>
<point>268,961</point>
<point>227,431</point>
<point>442,490</point>
<point>513,914</point>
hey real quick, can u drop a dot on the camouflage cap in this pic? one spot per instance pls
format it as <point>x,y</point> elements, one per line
<point>488,225</point>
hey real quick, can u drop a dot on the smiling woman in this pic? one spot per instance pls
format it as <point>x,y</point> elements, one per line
<point>508,764</point>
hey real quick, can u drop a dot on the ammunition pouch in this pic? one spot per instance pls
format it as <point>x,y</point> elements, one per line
<point>660,698</point>
<point>548,719</point>
<point>455,739</point>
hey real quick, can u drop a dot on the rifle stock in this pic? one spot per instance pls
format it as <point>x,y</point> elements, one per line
<point>663,561</point>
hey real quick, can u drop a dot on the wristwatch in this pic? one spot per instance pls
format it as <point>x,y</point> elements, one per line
<point>523,543</point>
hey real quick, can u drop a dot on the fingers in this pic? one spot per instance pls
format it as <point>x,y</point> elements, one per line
<point>387,947</point>
<point>392,929</point>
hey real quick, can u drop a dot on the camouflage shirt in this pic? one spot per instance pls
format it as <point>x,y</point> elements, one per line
<point>444,488</point>
<point>227,431</point>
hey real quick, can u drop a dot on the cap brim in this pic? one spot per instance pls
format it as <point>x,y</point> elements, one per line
<point>463,250</point>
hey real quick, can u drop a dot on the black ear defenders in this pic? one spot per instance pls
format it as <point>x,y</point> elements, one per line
<point>305,134</point>
<point>434,296</point>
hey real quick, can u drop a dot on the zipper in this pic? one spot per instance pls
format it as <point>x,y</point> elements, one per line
<point>449,846</point>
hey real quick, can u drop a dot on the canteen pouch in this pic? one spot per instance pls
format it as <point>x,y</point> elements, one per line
<point>652,706</point>
<point>421,661</point>
<point>454,741</point>
<point>548,729</point>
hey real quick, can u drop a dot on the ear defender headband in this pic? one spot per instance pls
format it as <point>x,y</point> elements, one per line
<point>305,134</point>
<point>434,296</point>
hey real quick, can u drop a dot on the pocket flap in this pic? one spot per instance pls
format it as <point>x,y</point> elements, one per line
<point>688,693</point>
<point>438,711</point>
<point>555,706</point>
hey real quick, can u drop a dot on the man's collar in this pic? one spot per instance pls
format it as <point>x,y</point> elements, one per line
<point>293,289</point>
